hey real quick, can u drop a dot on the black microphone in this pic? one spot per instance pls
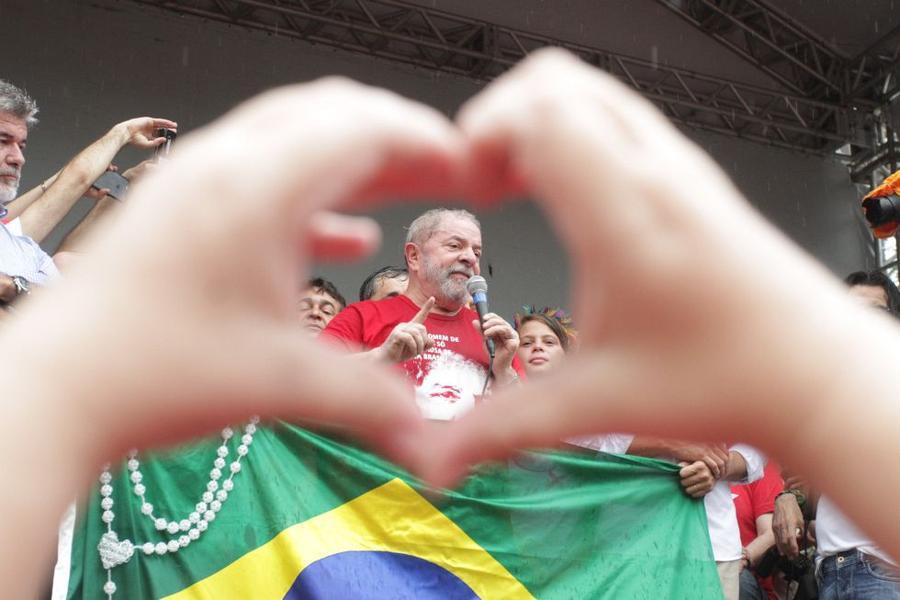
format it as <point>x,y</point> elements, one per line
<point>477,288</point>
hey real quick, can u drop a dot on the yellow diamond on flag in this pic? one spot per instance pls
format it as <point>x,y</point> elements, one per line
<point>388,542</point>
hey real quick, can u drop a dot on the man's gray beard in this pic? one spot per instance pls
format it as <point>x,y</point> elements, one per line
<point>450,290</point>
<point>453,291</point>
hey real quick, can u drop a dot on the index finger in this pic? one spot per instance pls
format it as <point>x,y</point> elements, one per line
<point>423,312</point>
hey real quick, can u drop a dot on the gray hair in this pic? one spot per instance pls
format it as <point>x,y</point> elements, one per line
<point>421,230</point>
<point>17,102</point>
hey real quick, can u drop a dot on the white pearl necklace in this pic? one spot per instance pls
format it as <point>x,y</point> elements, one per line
<point>114,552</point>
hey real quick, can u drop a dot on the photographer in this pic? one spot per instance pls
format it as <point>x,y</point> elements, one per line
<point>23,263</point>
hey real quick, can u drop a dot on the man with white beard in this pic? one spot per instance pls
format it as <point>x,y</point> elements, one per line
<point>428,331</point>
<point>22,262</point>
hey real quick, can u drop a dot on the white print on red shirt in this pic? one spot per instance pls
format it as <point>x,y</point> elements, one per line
<point>450,385</point>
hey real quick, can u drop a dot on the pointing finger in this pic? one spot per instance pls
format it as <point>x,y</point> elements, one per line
<point>423,312</point>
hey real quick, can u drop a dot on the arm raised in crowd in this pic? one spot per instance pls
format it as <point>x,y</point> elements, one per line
<point>60,193</point>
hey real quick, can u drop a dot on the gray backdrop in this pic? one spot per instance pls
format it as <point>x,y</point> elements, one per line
<point>92,64</point>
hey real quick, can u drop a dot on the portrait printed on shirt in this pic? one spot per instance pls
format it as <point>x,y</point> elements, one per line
<point>447,382</point>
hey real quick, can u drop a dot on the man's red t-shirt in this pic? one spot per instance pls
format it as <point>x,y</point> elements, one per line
<point>448,377</point>
<point>753,500</point>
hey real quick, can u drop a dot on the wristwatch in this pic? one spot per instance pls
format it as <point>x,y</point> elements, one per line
<point>23,288</point>
<point>796,493</point>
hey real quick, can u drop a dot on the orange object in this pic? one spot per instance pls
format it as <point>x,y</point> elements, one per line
<point>889,187</point>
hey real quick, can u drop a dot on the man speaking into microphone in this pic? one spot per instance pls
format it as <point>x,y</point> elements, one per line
<point>428,331</point>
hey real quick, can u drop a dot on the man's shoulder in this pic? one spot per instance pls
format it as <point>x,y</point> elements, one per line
<point>14,240</point>
<point>13,229</point>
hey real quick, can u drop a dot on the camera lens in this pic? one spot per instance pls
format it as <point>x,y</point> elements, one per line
<point>882,210</point>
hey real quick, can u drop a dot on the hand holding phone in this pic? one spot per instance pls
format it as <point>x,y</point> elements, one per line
<point>112,181</point>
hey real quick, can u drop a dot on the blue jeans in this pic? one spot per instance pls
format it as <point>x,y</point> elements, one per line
<point>750,589</point>
<point>853,575</point>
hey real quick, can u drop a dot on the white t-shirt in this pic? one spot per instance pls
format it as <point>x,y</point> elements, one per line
<point>721,515</point>
<point>836,533</point>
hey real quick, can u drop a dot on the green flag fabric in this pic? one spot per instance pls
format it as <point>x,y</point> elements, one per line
<point>310,517</point>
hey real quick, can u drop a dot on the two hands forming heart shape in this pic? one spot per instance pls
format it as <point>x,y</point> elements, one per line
<point>697,319</point>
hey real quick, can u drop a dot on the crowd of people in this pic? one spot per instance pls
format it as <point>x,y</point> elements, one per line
<point>643,370</point>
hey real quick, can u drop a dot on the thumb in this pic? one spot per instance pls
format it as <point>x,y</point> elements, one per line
<point>339,390</point>
<point>597,391</point>
<point>538,415</point>
<point>688,469</point>
<point>285,375</point>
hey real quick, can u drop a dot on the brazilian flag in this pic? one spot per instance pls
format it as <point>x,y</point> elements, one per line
<point>311,517</point>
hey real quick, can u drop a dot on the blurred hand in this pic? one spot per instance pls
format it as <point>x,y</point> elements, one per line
<point>180,334</point>
<point>671,327</point>
<point>677,328</point>
<point>237,345</point>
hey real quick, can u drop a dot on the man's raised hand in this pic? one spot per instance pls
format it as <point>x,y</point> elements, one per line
<point>408,340</point>
<point>141,131</point>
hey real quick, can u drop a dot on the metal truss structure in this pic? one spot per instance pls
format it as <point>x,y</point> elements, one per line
<point>449,43</point>
<point>794,56</point>
<point>770,40</point>
<point>783,48</point>
<point>827,101</point>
